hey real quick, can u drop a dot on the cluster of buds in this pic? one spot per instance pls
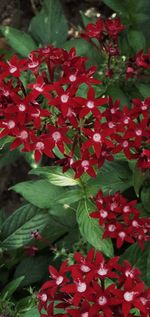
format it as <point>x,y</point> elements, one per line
<point>106,35</point>
<point>139,65</point>
<point>49,113</point>
<point>121,219</point>
<point>92,287</point>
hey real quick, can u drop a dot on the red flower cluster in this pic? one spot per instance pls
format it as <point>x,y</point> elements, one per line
<point>121,220</point>
<point>106,33</point>
<point>49,112</point>
<point>139,65</point>
<point>84,289</point>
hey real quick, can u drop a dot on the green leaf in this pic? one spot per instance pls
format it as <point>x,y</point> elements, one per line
<point>136,40</point>
<point>39,193</point>
<point>116,5</point>
<point>33,269</point>
<point>49,26</point>
<point>145,197</point>
<point>5,140</point>
<point>86,20</point>
<point>144,89</point>
<point>56,176</point>
<point>21,42</point>
<point>148,269</point>
<point>33,312</point>
<point>116,92</point>
<point>11,287</point>
<point>139,258</point>
<point>138,179</point>
<point>84,48</point>
<point>16,230</point>
<point>70,196</point>
<point>91,230</point>
<point>112,176</point>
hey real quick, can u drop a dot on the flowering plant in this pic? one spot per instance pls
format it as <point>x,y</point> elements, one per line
<point>96,142</point>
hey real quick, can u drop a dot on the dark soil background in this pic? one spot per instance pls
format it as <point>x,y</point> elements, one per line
<point>18,13</point>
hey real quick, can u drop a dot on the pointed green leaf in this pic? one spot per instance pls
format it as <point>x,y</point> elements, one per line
<point>11,287</point>
<point>116,5</point>
<point>49,26</point>
<point>145,197</point>
<point>20,41</point>
<point>91,230</point>
<point>39,193</point>
<point>136,40</point>
<point>56,176</point>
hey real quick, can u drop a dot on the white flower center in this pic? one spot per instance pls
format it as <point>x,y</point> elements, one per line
<point>128,296</point>
<point>36,115</point>
<point>126,209</point>
<point>85,268</point>
<point>64,98</point>
<point>38,87</point>
<point>111,228</point>
<point>21,107</point>
<point>85,164</point>
<point>72,78</point>
<point>6,93</point>
<point>102,271</point>
<point>96,137</point>
<point>86,314</point>
<point>138,132</point>
<point>144,107</point>
<point>122,234</point>
<point>12,69</point>
<point>112,111</point>
<point>56,136</point>
<point>135,223</point>
<point>33,64</point>
<point>59,280</point>
<point>129,274</point>
<point>23,135</point>
<point>43,297</point>
<point>102,300</point>
<point>103,213</point>
<point>113,206</point>
<point>111,125</point>
<point>90,104</point>
<point>39,145</point>
<point>126,120</point>
<point>81,287</point>
<point>11,124</point>
<point>125,144</point>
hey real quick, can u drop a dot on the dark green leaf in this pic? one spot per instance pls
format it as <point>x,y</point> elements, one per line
<point>112,176</point>
<point>86,20</point>
<point>91,230</point>
<point>138,258</point>
<point>144,89</point>
<point>116,5</point>
<point>49,26</point>
<point>32,268</point>
<point>116,92</point>
<point>21,42</point>
<point>11,287</point>
<point>33,312</point>
<point>16,230</point>
<point>145,197</point>
<point>138,179</point>
<point>39,193</point>
<point>136,40</point>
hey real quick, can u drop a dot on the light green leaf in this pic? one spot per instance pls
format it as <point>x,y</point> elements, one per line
<point>39,193</point>
<point>11,287</point>
<point>91,230</point>
<point>56,176</point>
<point>112,176</point>
<point>33,312</point>
<point>49,26</point>
<point>138,179</point>
<point>136,40</point>
<point>16,230</point>
<point>33,269</point>
<point>70,196</point>
<point>21,42</point>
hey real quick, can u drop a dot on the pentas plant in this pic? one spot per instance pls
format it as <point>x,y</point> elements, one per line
<point>45,110</point>
<point>94,286</point>
<point>121,219</point>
